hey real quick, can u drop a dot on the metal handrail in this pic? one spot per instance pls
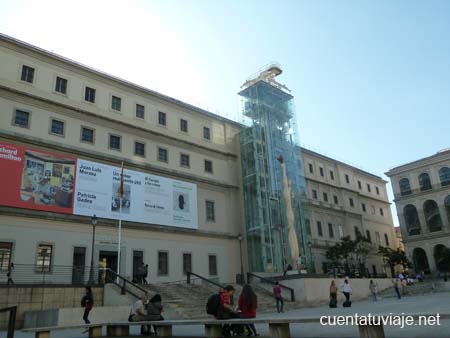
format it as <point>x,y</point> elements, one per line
<point>114,278</point>
<point>188,279</point>
<point>12,319</point>
<point>271,281</point>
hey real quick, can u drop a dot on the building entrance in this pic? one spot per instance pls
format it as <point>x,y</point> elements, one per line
<point>111,263</point>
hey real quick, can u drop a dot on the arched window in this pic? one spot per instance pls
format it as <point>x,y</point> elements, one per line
<point>447,206</point>
<point>411,220</point>
<point>432,215</point>
<point>444,175</point>
<point>440,254</point>
<point>420,261</point>
<point>424,182</point>
<point>405,187</point>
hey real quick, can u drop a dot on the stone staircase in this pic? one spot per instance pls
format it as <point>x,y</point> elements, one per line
<point>188,301</point>
<point>418,288</point>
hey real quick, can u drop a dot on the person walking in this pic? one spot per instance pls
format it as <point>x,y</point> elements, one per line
<point>373,290</point>
<point>144,278</point>
<point>87,302</point>
<point>9,274</point>
<point>333,294</point>
<point>346,290</point>
<point>278,297</point>
<point>248,303</point>
<point>397,284</point>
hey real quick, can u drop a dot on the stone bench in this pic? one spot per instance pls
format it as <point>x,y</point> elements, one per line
<point>278,327</point>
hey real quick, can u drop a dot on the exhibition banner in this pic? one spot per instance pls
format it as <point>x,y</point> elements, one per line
<point>35,179</point>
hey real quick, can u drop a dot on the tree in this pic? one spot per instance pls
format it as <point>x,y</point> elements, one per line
<point>394,257</point>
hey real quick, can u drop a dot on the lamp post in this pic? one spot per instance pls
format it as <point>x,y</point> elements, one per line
<point>91,271</point>
<point>240,251</point>
<point>310,257</point>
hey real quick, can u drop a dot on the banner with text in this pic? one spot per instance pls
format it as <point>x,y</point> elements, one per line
<point>147,198</point>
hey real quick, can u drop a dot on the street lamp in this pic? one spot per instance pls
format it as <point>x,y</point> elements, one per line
<point>239,237</point>
<point>310,257</point>
<point>91,272</point>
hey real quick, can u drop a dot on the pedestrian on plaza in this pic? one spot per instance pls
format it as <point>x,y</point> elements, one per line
<point>140,273</point>
<point>87,302</point>
<point>248,302</point>
<point>278,297</point>
<point>346,289</point>
<point>333,294</point>
<point>9,274</point>
<point>397,285</point>
<point>144,278</point>
<point>373,290</point>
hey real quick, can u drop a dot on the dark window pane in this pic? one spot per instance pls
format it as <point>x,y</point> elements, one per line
<point>206,133</point>
<point>163,263</point>
<point>212,260</point>
<point>5,255</point>
<point>444,175</point>
<point>208,166</point>
<point>184,160</point>
<point>89,94</point>
<point>139,148</point>
<point>140,111</point>
<point>331,175</point>
<point>162,155</point>
<point>321,171</point>
<point>27,74</point>
<point>57,127</point>
<point>114,142</point>
<point>61,85</point>
<point>325,197</point>
<point>187,263</point>
<point>311,170</point>
<point>22,118</point>
<point>335,199</point>
<point>116,103</point>
<point>162,118</point>
<point>210,211</point>
<point>330,230</point>
<point>184,125</point>
<point>87,135</point>
<point>319,229</point>
<point>347,179</point>
<point>405,188</point>
<point>44,258</point>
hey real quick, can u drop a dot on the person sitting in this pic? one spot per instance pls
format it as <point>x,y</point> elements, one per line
<point>154,309</point>
<point>138,313</point>
<point>248,302</point>
<point>225,310</point>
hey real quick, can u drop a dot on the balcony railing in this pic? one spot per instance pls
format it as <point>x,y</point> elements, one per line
<point>412,192</point>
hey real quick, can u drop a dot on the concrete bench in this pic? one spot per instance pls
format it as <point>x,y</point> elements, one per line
<point>278,327</point>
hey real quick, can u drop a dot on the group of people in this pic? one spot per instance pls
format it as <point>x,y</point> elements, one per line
<point>346,289</point>
<point>144,310</point>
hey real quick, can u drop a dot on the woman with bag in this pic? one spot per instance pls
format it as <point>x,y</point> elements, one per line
<point>333,294</point>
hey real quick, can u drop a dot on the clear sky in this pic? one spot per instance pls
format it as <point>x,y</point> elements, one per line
<point>371,79</point>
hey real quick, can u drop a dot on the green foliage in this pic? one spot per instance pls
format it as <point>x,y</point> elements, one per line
<point>394,257</point>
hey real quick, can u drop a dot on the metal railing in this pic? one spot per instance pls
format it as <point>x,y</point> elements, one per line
<point>11,321</point>
<point>251,275</point>
<point>189,279</point>
<point>124,284</point>
<point>33,274</point>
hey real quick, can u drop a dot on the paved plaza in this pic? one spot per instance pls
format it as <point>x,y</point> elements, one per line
<point>431,304</point>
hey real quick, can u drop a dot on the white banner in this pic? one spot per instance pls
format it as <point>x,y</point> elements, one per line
<point>147,198</point>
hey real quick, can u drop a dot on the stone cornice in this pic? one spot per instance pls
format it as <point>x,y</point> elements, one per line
<point>423,162</point>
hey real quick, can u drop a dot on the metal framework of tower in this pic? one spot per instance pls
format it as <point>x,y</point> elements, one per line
<point>270,131</point>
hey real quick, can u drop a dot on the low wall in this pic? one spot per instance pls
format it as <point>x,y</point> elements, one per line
<point>36,298</point>
<point>315,291</point>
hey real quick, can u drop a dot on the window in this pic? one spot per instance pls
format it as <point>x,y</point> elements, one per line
<point>368,236</point>
<point>61,85</point>
<point>184,125</point>
<point>314,193</point>
<point>87,135</point>
<point>377,237</point>
<point>372,210</point>
<point>89,94</point>
<point>140,111</point>
<point>405,188</point>
<point>162,118</point>
<point>351,202</point>
<point>368,187</point>
<point>57,127</point>
<point>44,257</point>
<point>5,255</point>
<point>444,175</point>
<point>139,149</point>
<point>208,166</point>
<point>210,211</point>
<point>187,263</point>
<point>184,160</point>
<point>336,201</point>
<point>357,232</point>
<point>341,231</point>
<point>330,230</point>
<point>321,171</point>
<point>163,263</point>
<point>363,207</point>
<point>359,185</point>
<point>386,239</point>
<point>212,263</point>
<point>377,190</point>
<point>162,154</point>
<point>325,197</point>
<point>347,179</point>
<point>411,220</point>
<point>206,133</point>
<point>332,175</point>
<point>311,170</point>
<point>308,226</point>
<point>319,229</point>
<point>116,103</point>
<point>27,74</point>
<point>21,118</point>
<point>115,142</point>
<point>381,212</point>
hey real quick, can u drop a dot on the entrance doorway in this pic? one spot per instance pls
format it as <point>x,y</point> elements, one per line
<point>111,263</point>
<point>138,259</point>
<point>78,265</point>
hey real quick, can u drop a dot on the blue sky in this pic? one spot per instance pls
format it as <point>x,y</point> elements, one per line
<point>371,79</point>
